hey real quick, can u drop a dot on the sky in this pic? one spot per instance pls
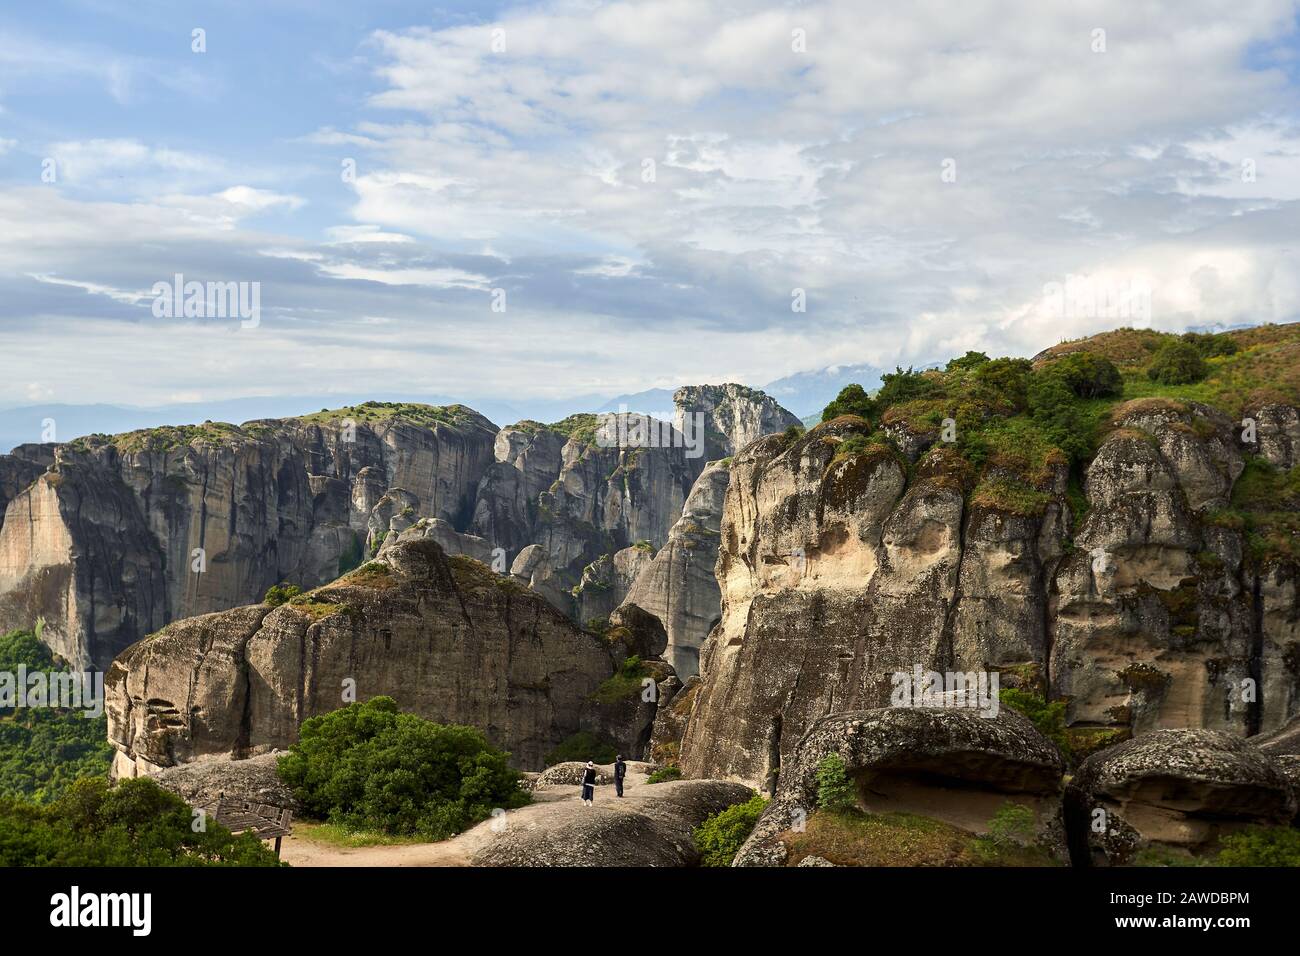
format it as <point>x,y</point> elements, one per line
<point>567,198</point>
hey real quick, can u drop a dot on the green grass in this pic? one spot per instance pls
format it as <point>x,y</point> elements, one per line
<point>856,838</point>
<point>333,834</point>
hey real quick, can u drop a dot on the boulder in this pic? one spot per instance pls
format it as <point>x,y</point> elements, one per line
<point>1172,788</point>
<point>254,779</point>
<point>947,764</point>
<point>651,826</point>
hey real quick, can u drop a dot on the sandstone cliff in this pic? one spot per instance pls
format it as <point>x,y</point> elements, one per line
<point>445,637</point>
<point>118,536</point>
<point>1139,600</point>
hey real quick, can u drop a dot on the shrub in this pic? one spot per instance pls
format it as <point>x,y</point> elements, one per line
<point>901,386</point>
<point>835,791</point>
<point>1006,379</point>
<point>852,400</point>
<point>1177,362</point>
<point>1049,718</point>
<point>582,746</point>
<point>967,362</point>
<point>1260,846</point>
<point>1212,345</point>
<point>1012,824</point>
<point>1087,374</point>
<point>1054,407</point>
<point>281,593</point>
<point>370,767</point>
<point>664,774</point>
<point>720,837</point>
<point>625,682</point>
<point>135,823</point>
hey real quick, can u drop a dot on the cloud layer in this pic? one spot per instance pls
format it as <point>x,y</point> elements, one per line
<point>648,186</point>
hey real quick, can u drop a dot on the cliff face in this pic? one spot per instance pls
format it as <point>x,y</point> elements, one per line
<point>841,563</point>
<point>678,586</point>
<point>446,637</point>
<point>119,536</point>
<point>733,416</point>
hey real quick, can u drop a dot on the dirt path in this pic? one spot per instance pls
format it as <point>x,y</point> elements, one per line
<point>457,851</point>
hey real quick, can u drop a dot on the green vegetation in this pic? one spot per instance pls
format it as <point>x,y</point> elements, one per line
<point>664,774</point>
<point>1260,846</point>
<point>1049,718</point>
<point>135,823</point>
<point>835,791</point>
<point>1012,826</point>
<point>44,750</point>
<point>1177,362</point>
<point>855,838</point>
<point>377,413</point>
<point>581,427</point>
<point>332,834</point>
<point>625,682</point>
<point>1025,427</point>
<point>583,746</point>
<point>281,593</point>
<point>1266,507</point>
<point>720,837</point>
<point>351,555</point>
<point>369,767</point>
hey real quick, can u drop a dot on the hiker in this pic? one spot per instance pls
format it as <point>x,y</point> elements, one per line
<point>620,771</point>
<point>589,784</point>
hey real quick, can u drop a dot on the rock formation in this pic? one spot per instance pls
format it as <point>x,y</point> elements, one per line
<point>679,586</point>
<point>1172,788</point>
<point>444,636</point>
<point>117,537</point>
<point>949,765</point>
<point>842,562</point>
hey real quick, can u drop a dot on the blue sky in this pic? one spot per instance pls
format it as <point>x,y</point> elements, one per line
<point>502,147</point>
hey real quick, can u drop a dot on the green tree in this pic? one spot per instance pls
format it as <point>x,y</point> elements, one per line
<point>1005,379</point>
<point>1087,374</point>
<point>282,593</point>
<point>44,749</point>
<point>1054,407</point>
<point>370,767</point>
<point>852,400</point>
<point>967,362</point>
<point>1177,362</point>
<point>135,823</point>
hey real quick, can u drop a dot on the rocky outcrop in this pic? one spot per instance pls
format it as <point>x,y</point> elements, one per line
<point>841,564</point>
<point>949,765</point>
<point>1172,788</point>
<point>444,636</point>
<point>679,585</point>
<point>254,780</point>
<point>117,537</point>
<point>651,826</point>
<point>732,416</point>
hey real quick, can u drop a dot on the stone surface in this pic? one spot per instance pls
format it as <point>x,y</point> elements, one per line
<point>1179,788</point>
<point>651,826</point>
<point>444,636</point>
<point>950,765</point>
<point>838,570</point>
<point>679,585</point>
<point>255,779</point>
<point>103,543</point>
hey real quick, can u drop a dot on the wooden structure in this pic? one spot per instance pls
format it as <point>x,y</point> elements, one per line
<point>265,820</point>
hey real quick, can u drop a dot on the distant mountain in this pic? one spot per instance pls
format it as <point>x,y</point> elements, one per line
<point>807,393</point>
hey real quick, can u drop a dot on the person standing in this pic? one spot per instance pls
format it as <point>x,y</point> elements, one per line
<point>620,771</point>
<point>589,784</point>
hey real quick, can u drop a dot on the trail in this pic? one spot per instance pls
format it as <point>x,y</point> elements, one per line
<point>549,805</point>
